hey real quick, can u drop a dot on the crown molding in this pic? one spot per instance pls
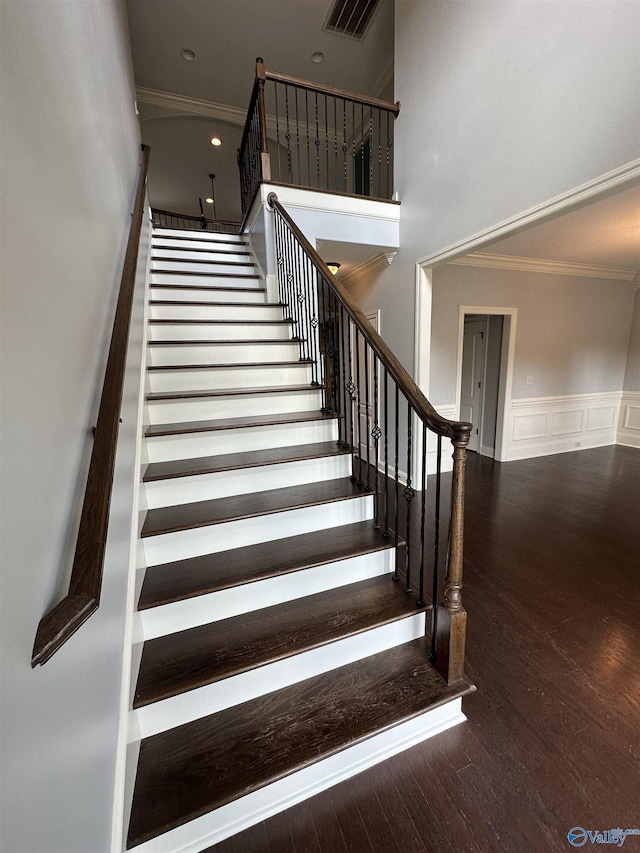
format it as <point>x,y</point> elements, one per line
<point>367,268</point>
<point>194,106</point>
<point>536,215</point>
<point>538,265</point>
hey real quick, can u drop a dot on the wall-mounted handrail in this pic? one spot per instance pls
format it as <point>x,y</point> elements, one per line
<point>312,135</point>
<point>83,597</point>
<point>355,370</point>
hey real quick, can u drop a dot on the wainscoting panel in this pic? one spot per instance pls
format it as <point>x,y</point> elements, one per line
<point>629,420</point>
<point>544,425</point>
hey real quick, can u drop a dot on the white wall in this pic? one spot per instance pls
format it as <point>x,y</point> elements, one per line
<point>70,161</point>
<point>505,106</point>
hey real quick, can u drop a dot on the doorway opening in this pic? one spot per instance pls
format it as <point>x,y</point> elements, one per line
<point>486,346</point>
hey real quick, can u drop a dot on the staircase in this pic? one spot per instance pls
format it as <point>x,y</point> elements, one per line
<point>279,656</point>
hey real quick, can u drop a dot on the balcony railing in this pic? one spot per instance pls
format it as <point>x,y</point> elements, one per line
<point>185,221</point>
<point>319,137</point>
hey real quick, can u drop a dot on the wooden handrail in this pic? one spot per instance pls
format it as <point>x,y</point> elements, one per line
<point>83,598</point>
<point>321,88</point>
<point>459,431</point>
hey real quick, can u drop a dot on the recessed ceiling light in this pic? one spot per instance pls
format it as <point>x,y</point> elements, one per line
<point>317,56</point>
<point>209,200</point>
<point>216,141</point>
<point>187,54</point>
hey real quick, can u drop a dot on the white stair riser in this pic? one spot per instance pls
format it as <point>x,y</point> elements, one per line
<point>214,442</point>
<point>219,331</point>
<point>178,279</point>
<point>202,409</point>
<point>215,826</point>
<point>240,313</point>
<point>211,268</point>
<point>180,237</point>
<point>202,487</point>
<point>183,544</point>
<point>180,253</point>
<point>204,294</point>
<point>173,712</point>
<point>208,378</point>
<point>222,353</point>
<point>203,609</point>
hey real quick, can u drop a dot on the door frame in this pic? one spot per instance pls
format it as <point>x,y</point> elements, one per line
<point>507,359</point>
<point>485,338</point>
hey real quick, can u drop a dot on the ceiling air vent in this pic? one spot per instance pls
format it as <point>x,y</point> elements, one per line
<point>351,17</point>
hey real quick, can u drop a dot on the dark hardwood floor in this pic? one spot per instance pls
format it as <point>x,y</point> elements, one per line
<point>552,740</point>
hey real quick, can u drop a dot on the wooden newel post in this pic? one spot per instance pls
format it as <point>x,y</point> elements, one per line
<point>265,160</point>
<point>451,617</point>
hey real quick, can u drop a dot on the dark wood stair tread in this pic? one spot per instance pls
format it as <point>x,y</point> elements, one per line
<point>207,273</point>
<point>205,286</point>
<point>190,770</point>
<point>237,461</point>
<point>225,343</point>
<point>176,581</point>
<point>189,659</point>
<point>230,392</point>
<point>203,302</point>
<point>170,519</point>
<point>270,365</point>
<point>205,322</point>
<point>240,251</point>
<point>235,423</point>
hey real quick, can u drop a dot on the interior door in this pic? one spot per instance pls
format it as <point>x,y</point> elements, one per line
<point>471,389</point>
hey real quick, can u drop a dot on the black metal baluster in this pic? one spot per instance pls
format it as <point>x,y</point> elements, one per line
<point>351,391</point>
<point>421,602</point>
<point>326,142</point>
<point>367,410</point>
<point>389,181</point>
<point>396,490</point>
<point>379,186</point>
<point>287,135</point>
<point>376,432</point>
<point>299,181</point>
<point>275,94</point>
<point>408,496</point>
<point>436,551</point>
<point>343,408</point>
<point>345,147</point>
<point>358,403</point>
<point>386,453</point>
<point>335,136</point>
<point>317,144</point>
<point>315,281</point>
<point>324,342</point>
<point>371,192</point>
<point>306,118</point>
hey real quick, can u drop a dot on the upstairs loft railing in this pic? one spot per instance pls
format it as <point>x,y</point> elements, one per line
<point>314,136</point>
<point>170,219</point>
<point>389,425</point>
<point>85,584</point>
